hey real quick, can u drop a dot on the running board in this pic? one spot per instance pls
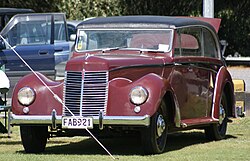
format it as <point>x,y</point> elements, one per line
<point>196,121</point>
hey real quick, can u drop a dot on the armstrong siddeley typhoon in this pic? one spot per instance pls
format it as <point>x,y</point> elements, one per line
<point>143,75</point>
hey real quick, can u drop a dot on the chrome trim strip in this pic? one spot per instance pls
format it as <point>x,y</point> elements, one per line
<point>107,120</point>
<point>82,87</point>
<point>215,94</point>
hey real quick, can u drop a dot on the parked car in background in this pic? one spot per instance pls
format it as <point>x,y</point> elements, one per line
<point>141,75</point>
<point>42,41</point>
<point>72,28</point>
<point>7,13</point>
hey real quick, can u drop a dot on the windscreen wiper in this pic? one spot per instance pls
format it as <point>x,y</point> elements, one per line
<point>114,48</point>
<point>151,50</point>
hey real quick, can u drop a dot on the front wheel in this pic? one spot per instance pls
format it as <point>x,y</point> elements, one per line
<point>154,137</point>
<point>34,138</point>
<point>218,131</point>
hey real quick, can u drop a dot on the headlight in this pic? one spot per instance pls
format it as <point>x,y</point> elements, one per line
<point>138,95</point>
<point>26,96</point>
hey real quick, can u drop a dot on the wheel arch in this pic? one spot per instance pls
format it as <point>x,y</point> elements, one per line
<point>173,113</point>
<point>230,99</point>
<point>224,84</point>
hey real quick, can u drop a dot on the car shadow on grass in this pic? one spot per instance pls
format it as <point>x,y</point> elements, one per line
<point>124,145</point>
<point>117,146</point>
<point>181,140</point>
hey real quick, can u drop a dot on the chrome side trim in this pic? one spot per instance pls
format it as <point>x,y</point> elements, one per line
<point>106,120</point>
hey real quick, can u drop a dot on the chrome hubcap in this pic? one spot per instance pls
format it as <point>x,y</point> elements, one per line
<point>222,114</point>
<point>161,125</point>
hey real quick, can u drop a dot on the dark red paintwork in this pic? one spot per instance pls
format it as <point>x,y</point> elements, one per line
<point>196,101</point>
<point>44,102</point>
<point>155,77</point>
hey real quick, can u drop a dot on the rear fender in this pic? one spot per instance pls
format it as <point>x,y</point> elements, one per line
<point>224,83</point>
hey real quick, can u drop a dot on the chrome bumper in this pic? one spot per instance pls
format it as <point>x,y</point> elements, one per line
<point>97,120</point>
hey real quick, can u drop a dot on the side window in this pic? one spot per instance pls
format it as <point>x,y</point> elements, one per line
<point>210,49</point>
<point>195,41</point>
<point>31,30</point>
<point>188,42</point>
<point>60,29</point>
<point>1,23</point>
<point>12,37</point>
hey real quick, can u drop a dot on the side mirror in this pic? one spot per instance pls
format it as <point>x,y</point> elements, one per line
<point>2,45</point>
<point>224,45</point>
<point>3,59</point>
<point>72,37</point>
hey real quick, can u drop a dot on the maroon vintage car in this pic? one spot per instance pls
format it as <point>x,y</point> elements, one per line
<point>146,75</point>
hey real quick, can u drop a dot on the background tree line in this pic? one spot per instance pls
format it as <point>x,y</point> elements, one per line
<point>235,26</point>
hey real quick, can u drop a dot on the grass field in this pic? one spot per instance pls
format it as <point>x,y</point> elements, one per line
<point>186,146</point>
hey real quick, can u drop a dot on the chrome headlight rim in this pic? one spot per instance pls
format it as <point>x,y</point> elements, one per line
<point>138,100</point>
<point>26,96</point>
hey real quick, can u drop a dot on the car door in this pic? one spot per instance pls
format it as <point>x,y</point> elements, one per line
<point>191,78</point>
<point>29,36</point>
<point>191,86</point>
<point>61,43</point>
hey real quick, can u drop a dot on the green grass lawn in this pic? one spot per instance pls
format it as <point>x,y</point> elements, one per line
<point>186,146</point>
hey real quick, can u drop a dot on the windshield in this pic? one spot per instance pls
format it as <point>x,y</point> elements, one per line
<point>140,39</point>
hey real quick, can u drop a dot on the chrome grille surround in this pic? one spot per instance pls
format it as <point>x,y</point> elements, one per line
<point>85,93</point>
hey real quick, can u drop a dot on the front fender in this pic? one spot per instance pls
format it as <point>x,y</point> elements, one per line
<point>44,102</point>
<point>223,81</point>
<point>119,101</point>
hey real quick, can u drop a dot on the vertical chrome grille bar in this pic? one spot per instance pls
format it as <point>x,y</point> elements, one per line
<point>82,85</point>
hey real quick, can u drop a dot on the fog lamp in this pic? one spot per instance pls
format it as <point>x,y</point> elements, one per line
<point>26,110</point>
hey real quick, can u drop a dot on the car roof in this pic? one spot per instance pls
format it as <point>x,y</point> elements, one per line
<point>159,21</point>
<point>11,11</point>
<point>73,22</point>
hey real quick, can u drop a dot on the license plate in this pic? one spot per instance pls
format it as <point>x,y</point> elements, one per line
<point>77,122</point>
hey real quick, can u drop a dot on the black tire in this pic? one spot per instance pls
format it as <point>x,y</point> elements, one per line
<point>34,138</point>
<point>218,131</point>
<point>154,142</point>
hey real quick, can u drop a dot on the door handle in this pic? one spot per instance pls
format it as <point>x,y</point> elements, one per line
<point>43,52</point>
<point>58,49</point>
<point>190,69</point>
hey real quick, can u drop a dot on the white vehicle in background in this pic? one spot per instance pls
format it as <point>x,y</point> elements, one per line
<point>4,106</point>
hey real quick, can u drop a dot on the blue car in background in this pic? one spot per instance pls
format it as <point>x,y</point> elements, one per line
<point>42,41</point>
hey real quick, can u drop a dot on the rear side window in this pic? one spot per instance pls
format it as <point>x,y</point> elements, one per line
<point>210,49</point>
<point>195,41</point>
<point>60,29</point>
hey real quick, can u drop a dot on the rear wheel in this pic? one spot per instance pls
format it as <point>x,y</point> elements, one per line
<point>34,138</point>
<point>218,131</point>
<point>155,136</point>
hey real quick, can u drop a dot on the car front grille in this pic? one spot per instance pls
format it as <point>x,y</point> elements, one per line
<point>85,93</point>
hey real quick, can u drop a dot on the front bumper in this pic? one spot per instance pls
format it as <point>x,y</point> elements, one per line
<point>97,120</point>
